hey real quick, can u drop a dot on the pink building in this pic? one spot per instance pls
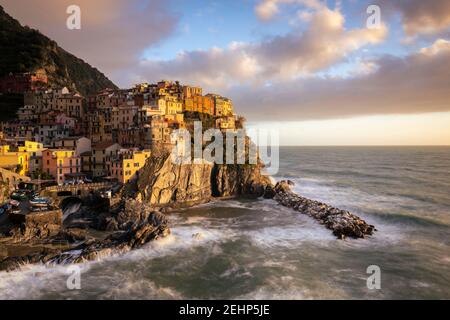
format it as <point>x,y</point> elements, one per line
<point>60,162</point>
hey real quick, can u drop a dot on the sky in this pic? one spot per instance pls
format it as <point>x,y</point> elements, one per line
<point>314,70</point>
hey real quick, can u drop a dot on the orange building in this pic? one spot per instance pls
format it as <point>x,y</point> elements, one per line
<point>189,92</point>
<point>208,105</point>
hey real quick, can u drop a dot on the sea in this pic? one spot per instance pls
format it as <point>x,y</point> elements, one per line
<point>257,249</point>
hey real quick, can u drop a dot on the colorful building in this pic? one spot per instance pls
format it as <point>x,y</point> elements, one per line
<point>127,164</point>
<point>60,162</point>
<point>102,153</point>
<point>78,144</point>
<point>14,161</point>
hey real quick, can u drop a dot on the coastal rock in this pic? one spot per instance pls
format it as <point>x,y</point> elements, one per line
<point>163,183</point>
<point>342,223</point>
<point>72,235</point>
<point>155,226</point>
<point>134,213</point>
<point>238,180</point>
<point>36,226</point>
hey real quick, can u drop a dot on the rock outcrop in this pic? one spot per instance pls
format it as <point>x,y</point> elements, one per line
<point>238,180</point>
<point>342,223</point>
<point>163,183</point>
<point>155,226</point>
<point>36,226</point>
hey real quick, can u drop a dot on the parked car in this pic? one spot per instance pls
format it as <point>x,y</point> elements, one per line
<point>19,196</point>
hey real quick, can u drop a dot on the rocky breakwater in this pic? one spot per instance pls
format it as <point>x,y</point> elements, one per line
<point>342,223</point>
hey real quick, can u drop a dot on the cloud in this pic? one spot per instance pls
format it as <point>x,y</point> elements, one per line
<point>267,9</point>
<point>417,83</point>
<point>421,17</point>
<point>114,33</point>
<point>325,42</point>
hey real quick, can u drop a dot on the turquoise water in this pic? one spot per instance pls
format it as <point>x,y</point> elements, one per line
<point>260,250</point>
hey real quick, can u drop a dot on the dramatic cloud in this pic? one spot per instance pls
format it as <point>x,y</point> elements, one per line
<point>297,54</point>
<point>418,83</point>
<point>421,17</point>
<point>114,33</point>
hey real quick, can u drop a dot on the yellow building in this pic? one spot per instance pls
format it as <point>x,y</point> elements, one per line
<point>223,106</point>
<point>30,146</point>
<point>34,150</point>
<point>128,164</point>
<point>14,161</point>
<point>172,105</point>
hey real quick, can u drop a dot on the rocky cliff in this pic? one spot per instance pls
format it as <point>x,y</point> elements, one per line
<point>163,183</point>
<point>238,180</point>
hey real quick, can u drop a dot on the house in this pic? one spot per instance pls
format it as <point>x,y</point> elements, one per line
<point>126,165</point>
<point>226,122</point>
<point>34,150</point>
<point>102,153</point>
<point>14,160</point>
<point>60,162</point>
<point>48,132</point>
<point>79,144</point>
<point>27,113</point>
<point>222,106</point>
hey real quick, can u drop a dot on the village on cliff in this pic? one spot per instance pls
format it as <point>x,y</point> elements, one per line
<point>62,136</point>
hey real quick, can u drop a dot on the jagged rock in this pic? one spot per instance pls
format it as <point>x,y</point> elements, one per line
<point>269,192</point>
<point>163,183</point>
<point>36,226</point>
<point>111,224</point>
<point>342,223</point>
<point>73,235</point>
<point>238,180</point>
<point>155,226</point>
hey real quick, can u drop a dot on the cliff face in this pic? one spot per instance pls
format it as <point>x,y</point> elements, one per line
<point>162,183</point>
<point>27,50</point>
<point>238,180</point>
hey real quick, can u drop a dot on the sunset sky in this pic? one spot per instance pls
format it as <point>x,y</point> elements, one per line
<point>310,68</point>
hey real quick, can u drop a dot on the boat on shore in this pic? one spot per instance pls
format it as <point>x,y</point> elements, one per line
<point>40,202</point>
